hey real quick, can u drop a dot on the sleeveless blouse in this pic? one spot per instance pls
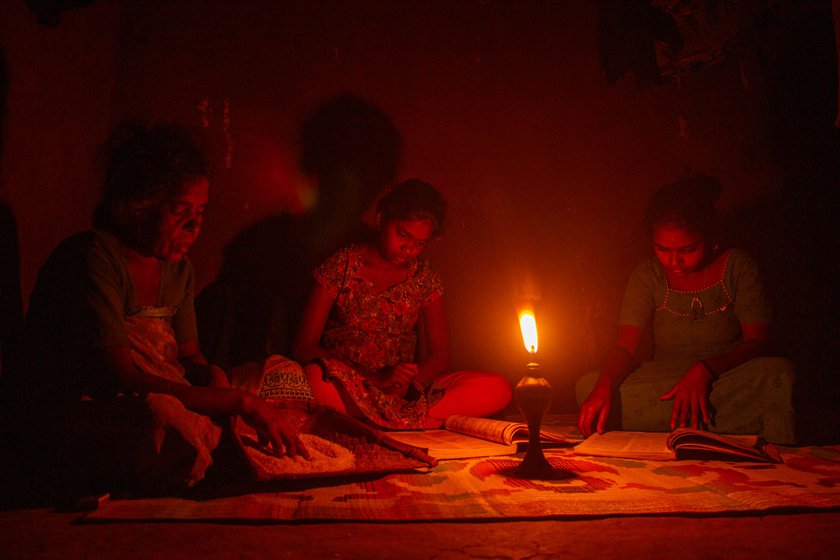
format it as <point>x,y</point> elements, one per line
<point>693,324</point>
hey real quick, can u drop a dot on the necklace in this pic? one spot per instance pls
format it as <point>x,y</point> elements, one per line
<point>696,304</point>
<point>696,310</point>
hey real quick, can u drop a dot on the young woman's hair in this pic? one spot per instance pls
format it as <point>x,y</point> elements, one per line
<point>688,204</point>
<point>414,200</point>
<point>145,167</point>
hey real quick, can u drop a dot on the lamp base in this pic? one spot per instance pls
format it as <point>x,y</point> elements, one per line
<point>535,465</point>
<point>533,397</point>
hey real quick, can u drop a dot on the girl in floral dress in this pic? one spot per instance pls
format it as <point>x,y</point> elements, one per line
<point>360,330</point>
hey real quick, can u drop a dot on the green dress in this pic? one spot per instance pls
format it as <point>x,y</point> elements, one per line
<point>753,398</point>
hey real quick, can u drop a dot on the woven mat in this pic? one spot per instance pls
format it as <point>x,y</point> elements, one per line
<point>487,488</point>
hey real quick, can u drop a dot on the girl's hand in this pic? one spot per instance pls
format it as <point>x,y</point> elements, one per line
<point>691,398</point>
<point>395,380</point>
<point>218,378</point>
<point>271,427</point>
<point>596,405</point>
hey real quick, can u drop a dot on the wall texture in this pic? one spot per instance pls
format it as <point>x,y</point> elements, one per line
<point>505,106</point>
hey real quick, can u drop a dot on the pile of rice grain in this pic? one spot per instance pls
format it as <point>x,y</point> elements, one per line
<point>325,456</point>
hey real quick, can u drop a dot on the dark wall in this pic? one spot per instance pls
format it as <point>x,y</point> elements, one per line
<point>505,106</point>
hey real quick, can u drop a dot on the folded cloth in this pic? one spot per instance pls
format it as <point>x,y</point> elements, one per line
<point>278,378</point>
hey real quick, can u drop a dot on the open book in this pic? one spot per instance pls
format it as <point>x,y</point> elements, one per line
<point>684,443</point>
<point>468,436</point>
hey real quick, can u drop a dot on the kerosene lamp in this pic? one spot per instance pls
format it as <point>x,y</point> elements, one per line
<point>533,397</point>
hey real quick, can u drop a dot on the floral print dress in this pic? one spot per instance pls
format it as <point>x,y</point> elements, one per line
<point>369,328</point>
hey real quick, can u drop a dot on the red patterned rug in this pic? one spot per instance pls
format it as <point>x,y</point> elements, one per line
<point>487,488</point>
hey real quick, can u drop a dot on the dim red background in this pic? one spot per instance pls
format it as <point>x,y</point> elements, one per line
<point>503,105</point>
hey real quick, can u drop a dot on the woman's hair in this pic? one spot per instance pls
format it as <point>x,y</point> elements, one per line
<point>414,200</point>
<point>688,204</point>
<point>145,167</point>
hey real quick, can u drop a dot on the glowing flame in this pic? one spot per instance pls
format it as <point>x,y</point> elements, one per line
<point>528,324</point>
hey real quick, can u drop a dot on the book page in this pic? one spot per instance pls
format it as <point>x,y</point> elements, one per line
<point>736,446</point>
<point>631,445</point>
<point>445,444</point>
<point>503,431</point>
<point>685,443</point>
<point>498,431</point>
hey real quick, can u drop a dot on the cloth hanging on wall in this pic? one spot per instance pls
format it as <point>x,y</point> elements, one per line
<point>657,40</point>
<point>627,31</point>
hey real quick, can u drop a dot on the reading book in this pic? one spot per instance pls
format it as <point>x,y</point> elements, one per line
<point>467,436</point>
<point>684,443</point>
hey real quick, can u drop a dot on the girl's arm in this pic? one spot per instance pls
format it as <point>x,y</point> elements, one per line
<point>756,338</point>
<point>616,367</point>
<point>396,379</point>
<point>619,360</point>
<point>436,328</point>
<point>691,393</point>
<point>307,345</point>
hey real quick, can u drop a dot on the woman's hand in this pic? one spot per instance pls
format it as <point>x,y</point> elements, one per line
<point>691,398</point>
<point>218,378</point>
<point>596,405</point>
<point>395,380</point>
<point>271,427</point>
<point>617,364</point>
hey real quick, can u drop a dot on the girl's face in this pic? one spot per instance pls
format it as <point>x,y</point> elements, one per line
<point>680,251</point>
<point>179,222</point>
<point>401,241</point>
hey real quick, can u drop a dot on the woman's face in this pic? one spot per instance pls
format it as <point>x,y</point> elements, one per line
<point>179,222</point>
<point>402,241</point>
<point>681,252</point>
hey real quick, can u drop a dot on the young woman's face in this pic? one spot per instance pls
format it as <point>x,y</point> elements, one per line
<point>402,241</point>
<point>680,251</point>
<point>180,221</point>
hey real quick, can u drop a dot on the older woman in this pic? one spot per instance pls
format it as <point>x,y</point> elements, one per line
<point>114,383</point>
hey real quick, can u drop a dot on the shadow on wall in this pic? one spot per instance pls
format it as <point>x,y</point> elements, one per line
<point>48,12</point>
<point>793,232</point>
<point>350,151</point>
<point>11,303</point>
<point>791,235</point>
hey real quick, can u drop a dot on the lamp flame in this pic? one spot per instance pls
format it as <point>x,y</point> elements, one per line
<point>528,324</point>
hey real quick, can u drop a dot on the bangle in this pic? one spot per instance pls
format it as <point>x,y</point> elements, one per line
<point>706,365</point>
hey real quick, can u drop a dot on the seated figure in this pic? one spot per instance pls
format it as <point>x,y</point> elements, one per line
<point>358,335</point>
<point>711,325</point>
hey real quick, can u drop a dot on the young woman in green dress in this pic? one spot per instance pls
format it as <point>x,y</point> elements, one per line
<point>710,319</point>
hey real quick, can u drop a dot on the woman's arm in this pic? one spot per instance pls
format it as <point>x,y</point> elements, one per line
<point>436,329</point>
<point>307,345</point>
<point>616,367</point>
<point>396,379</point>
<point>619,361</point>
<point>210,401</point>
<point>691,393</point>
<point>756,338</point>
<point>198,370</point>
